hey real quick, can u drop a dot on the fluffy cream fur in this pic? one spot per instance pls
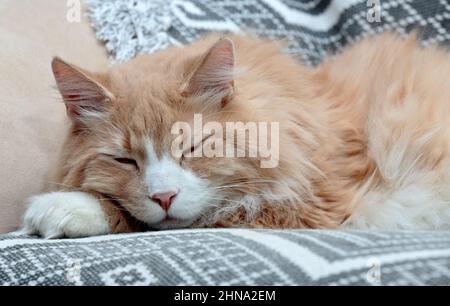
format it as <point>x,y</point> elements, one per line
<point>364,138</point>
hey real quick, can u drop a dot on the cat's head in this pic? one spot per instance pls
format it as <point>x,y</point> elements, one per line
<point>124,146</point>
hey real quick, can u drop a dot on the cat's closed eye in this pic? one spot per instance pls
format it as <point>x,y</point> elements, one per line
<point>127,161</point>
<point>188,153</point>
<point>191,150</point>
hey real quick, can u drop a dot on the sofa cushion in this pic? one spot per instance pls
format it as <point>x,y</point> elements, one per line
<point>230,257</point>
<point>33,121</point>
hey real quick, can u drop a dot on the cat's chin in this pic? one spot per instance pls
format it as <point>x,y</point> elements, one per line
<point>168,224</point>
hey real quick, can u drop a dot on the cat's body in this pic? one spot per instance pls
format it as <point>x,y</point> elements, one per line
<point>364,141</point>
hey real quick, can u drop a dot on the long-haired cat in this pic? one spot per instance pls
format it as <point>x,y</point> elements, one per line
<point>363,141</point>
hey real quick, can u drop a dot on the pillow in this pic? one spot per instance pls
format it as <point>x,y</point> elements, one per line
<point>32,117</point>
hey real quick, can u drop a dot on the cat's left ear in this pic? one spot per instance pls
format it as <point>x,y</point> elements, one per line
<point>215,74</point>
<point>83,95</point>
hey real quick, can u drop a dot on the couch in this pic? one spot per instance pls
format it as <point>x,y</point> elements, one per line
<point>32,128</point>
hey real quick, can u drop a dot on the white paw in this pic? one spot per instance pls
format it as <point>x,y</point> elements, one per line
<point>65,214</point>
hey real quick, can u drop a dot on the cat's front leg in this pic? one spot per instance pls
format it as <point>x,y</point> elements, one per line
<point>65,214</point>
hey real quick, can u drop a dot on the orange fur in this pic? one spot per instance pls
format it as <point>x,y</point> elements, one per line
<point>339,122</point>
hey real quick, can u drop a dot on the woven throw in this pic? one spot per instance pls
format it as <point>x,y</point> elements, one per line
<point>230,257</point>
<point>313,29</point>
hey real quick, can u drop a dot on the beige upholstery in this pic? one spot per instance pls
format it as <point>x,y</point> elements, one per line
<point>32,117</point>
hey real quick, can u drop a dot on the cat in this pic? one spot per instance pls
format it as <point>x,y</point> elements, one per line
<point>363,141</point>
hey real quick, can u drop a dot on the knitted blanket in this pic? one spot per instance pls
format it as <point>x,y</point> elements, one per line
<point>230,257</point>
<point>313,29</point>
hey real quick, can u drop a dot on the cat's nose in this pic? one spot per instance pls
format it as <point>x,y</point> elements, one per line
<point>164,199</point>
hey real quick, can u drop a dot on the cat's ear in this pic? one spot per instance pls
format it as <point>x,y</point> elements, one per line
<point>83,95</point>
<point>214,75</point>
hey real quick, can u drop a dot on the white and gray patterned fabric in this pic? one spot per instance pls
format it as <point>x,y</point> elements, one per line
<point>313,28</point>
<point>230,257</point>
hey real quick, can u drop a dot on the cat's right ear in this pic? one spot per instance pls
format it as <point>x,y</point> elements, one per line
<point>215,74</point>
<point>84,96</point>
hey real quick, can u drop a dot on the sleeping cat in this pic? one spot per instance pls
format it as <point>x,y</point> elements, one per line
<point>363,141</point>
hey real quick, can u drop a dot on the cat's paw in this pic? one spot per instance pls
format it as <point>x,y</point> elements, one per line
<point>65,214</point>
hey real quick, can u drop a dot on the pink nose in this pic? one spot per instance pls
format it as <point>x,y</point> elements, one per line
<point>164,199</point>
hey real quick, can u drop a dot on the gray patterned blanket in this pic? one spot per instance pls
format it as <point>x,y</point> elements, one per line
<point>230,257</point>
<point>313,28</point>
